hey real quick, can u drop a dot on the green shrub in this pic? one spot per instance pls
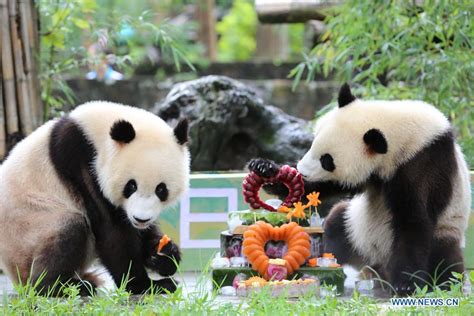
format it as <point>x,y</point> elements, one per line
<point>237,32</point>
<point>67,27</point>
<point>399,50</point>
<point>296,39</point>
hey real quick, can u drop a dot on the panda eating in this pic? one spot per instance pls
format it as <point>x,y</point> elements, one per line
<point>411,183</point>
<point>88,185</point>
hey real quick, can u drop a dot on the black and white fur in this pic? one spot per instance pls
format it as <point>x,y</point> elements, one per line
<point>414,197</point>
<point>89,185</point>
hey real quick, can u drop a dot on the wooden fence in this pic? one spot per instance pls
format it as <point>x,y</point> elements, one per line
<point>20,102</point>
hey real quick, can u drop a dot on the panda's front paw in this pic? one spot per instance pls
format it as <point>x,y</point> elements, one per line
<point>166,262</point>
<point>263,167</point>
<point>404,285</point>
<point>165,285</point>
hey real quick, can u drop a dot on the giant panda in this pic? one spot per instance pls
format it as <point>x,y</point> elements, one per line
<point>91,185</point>
<point>411,183</point>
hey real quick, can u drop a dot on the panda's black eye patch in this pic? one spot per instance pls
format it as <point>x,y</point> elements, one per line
<point>327,162</point>
<point>130,188</point>
<point>161,192</point>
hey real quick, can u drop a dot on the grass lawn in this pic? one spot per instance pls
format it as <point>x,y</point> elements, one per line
<point>198,299</point>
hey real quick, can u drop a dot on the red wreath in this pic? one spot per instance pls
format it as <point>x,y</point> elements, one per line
<point>287,175</point>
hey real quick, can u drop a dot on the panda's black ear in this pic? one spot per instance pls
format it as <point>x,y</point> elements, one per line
<point>345,96</point>
<point>122,131</point>
<point>181,131</point>
<point>375,141</point>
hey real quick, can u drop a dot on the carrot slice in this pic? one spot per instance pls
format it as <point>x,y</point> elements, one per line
<point>163,242</point>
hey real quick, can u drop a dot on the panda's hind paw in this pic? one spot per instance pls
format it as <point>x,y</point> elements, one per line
<point>404,286</point>
<point>263,167</point>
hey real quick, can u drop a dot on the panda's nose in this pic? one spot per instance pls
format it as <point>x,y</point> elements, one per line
<point>141,220</point>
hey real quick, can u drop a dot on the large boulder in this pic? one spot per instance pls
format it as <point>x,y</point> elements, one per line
<point>229,124</point>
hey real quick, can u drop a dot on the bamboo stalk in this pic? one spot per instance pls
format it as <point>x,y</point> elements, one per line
<point>22,95</point>
<point>2,110</point>
<point>36,48</point>
<point>28,37</point>
<point>20,102</point>
<point>8,74</point>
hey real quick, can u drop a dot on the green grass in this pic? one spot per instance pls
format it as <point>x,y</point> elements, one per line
<point>200,301</point>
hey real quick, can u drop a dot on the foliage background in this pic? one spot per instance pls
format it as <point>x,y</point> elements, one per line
<point>68,27</point>
<point>391,50</point>
<point>237,32</point>
<point>400,50</point>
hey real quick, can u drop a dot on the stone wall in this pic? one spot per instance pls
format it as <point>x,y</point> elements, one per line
<point>146,91</point>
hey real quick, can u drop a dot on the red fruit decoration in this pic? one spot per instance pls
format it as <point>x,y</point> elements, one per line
<point>287,175</point>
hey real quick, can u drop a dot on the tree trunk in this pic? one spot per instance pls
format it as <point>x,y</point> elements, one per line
<point>207,27</point>
<point>272,42</point>
<point>20,103</point>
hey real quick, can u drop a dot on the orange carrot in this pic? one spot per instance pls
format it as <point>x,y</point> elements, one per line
<point>163,242</point>
<point>313,262</point>
<point>328,255</point>
<point>260,233</point>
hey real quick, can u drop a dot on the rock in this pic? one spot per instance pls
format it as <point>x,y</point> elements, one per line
<point>230,124</point>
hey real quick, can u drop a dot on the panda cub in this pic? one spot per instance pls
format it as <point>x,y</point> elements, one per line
<point>89,185</point>
<point>414,197</point>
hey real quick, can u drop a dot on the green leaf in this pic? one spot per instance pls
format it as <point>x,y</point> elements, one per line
<point>87,6</point>
<point>457,275</point>
<point>55,39</point>
<point>297,72</point>
<point>60,16</point>
<point>80,23</point>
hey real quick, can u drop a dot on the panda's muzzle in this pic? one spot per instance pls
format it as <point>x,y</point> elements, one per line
<point>140,220</point>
